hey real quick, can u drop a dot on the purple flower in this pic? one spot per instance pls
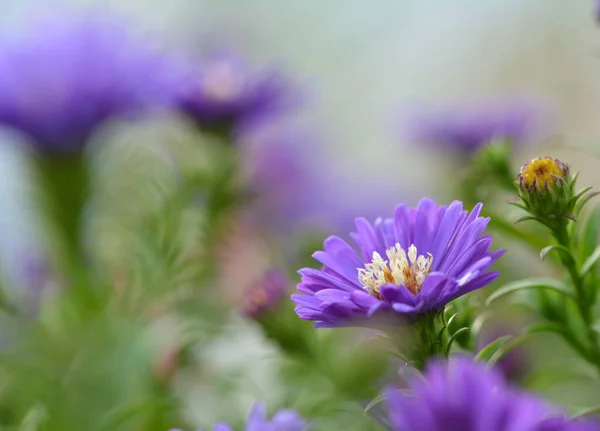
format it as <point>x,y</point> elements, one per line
<point>225,91</point>
<point>64,74</point>
<point>461,395</point>
<point>276,164</point>
<point>264,294</point>
<point>414,263</point>
<point>283,420</point>
<point>468,128</point>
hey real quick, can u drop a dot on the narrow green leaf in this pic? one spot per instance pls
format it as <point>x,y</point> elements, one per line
<point>530,283</point>
<point>378,399</point>
<point>479,321</point>
<point>546,327</point>
<point>507,347</point>
<point>588,235</point>
<point>454,337</point>
<point>524,218</point>
<point>564,251</point>
<point>488,351</point>
<point>584,200</point>
<point>447,325</point>
<point>590,262</point>
<point>587,411</point>
<point>518,204</point>
<point>451,319</point>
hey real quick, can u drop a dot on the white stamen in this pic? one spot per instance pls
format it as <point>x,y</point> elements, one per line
<point>396,270</point>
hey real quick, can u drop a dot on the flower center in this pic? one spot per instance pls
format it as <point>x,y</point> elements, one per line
<point>542,173</point>
<point>221,82</point>
<point>401,269</point>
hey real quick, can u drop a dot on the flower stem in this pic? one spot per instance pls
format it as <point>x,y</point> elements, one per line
<point>584,306</point>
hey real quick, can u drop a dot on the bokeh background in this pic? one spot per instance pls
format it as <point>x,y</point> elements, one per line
<point>361,67</point>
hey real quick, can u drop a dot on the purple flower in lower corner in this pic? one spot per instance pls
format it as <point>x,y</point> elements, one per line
<point>462,395</point>
<point>411,264</point>
<point>283,420</point>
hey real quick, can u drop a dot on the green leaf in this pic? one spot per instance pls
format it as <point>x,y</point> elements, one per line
<point>584,200</point>
<point>454,337</point>
<point>525,218</point>
<point>378,399</point>
<point>507,347</point>
<point>587,411</point>
<point>488,351</point>
<point>564,251</point>
<point>588,235</point>
<point>590,262</point>
<point>530,283</point>
<point>479,321</point>
<point>546,327</point>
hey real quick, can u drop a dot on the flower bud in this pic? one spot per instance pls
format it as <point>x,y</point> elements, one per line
<point>546,189</point>
<point>543,174</point>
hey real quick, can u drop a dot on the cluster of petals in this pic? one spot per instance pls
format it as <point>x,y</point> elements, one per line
<point>462,395</point>
<point>434,255</point>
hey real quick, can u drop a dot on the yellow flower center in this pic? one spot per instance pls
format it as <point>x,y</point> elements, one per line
<point>542,173</point>
<point>401,269</point>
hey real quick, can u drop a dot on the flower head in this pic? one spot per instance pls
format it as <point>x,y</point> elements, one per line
<point>547,191</point>
<point>224,90</point>
<point>543,174</point>
<point>64,74</point>
<point>411,264</point>
<point>461,395</point>
<point>468,128</point>
<point>283,420</point>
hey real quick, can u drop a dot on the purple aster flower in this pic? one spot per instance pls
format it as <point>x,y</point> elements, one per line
<point>283,420</point>
<point>414,263</point>
<point>461,395</point>
<point>276,163</point>
<point>468,128</point>
<point>224,90</point>
<point>65,73</point>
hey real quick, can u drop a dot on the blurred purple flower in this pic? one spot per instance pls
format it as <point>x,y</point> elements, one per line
<point>283,420</point>
<point>65,73</point>
<point>460,395</point>
<point>276,163</point>
<point>469,127</point>
<point>265,294</point>
<point>225,91</point>
<point>434,255</point>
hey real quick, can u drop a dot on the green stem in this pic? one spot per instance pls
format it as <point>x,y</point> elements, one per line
<point>66,183</point>
<point>584,306</point>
